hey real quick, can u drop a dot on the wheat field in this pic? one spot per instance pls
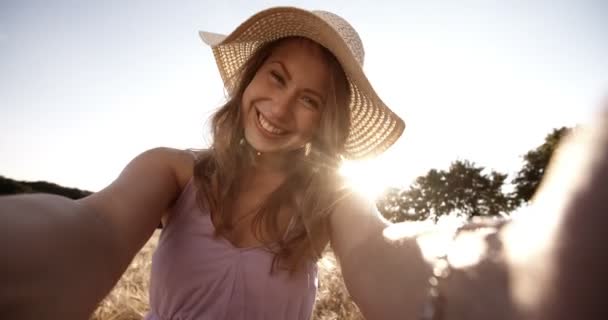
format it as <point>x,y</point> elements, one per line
<point>129,298</point>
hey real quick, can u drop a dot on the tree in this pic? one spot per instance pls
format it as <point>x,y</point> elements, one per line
<point>389,204</point>
<point>464,189</point>
<point>10,186</point>
<point>528,178</point>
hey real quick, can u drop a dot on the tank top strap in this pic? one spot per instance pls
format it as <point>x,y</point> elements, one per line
<point>188,194</point>
<point>184,202</point>
<point>194,153</point>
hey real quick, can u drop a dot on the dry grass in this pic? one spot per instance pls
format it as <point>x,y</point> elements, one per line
<point>129,299</point>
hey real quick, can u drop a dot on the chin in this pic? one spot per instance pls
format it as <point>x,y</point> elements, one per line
<point>263,147</point>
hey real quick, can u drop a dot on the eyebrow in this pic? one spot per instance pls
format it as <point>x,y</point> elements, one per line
<point>311,91</point>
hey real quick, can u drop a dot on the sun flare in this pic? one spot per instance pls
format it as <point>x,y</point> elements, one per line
<point>371,177</point>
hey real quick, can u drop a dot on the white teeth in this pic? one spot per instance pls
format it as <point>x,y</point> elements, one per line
<point>269,127</point>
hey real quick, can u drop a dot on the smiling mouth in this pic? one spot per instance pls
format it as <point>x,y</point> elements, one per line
<point>267,127</point>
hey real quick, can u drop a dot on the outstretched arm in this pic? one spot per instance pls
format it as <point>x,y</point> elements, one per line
<point>53,250</point>
<point>60,257</point>
<point>387,280</point>
<point>549,264</point>
<point>560,271</point>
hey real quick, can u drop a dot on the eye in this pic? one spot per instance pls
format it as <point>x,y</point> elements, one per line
<point>277,77</point>
<point>310,102</point>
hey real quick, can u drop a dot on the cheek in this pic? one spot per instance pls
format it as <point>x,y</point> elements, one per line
<point>255,86</point>
<point>246,100</point>
<point>251,89</point>
<point>245,106</point>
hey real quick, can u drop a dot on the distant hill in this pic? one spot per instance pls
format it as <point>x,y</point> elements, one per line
<point>10,186</point>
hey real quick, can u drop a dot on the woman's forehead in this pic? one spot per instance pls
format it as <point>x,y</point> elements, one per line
<point>304,62</point>
<point>301,46</point>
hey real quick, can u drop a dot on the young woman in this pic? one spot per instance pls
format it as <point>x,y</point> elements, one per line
<point>245,221</point>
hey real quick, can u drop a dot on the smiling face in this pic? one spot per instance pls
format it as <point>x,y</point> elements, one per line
<point>283,103</point>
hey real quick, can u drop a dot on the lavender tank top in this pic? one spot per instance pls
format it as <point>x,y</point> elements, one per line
<point>197,276</point>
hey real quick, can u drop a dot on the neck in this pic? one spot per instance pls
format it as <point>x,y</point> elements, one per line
<point>265,172</point>
<point>271,163</point>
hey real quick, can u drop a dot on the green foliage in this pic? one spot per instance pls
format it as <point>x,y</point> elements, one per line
<point>10,186</point>
<point>467,189</point>
<point>528,178</point>
<point>464,189</point>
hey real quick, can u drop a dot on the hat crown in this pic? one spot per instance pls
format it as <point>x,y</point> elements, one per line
<point>346,32</point>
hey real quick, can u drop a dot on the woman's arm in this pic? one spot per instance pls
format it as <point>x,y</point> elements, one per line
<point>549,264</point>
<point>552,259</point>
<point>52,250</point>
<point>559,269</point>
<point>61,257</point>
<point>387,280</point>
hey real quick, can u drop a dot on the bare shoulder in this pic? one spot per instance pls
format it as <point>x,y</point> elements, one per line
<point>145,189</point>
<point>179,161</point>
<point>183,161</point>
<point>354,206</point>
<point>354,221</point>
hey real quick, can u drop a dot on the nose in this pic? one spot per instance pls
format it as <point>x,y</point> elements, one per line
<point>282,106</point>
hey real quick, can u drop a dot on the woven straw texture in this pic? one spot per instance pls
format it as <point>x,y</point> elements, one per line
<point>374,127</point>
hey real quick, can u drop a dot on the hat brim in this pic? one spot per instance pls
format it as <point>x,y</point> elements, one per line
<point>374,126</point>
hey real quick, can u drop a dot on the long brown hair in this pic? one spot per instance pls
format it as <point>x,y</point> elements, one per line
<point>312,186</point>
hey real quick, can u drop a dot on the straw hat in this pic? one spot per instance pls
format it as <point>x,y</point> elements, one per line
<point>374,127</point>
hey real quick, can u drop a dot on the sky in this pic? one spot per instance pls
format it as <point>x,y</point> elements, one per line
<point>87,85</point>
